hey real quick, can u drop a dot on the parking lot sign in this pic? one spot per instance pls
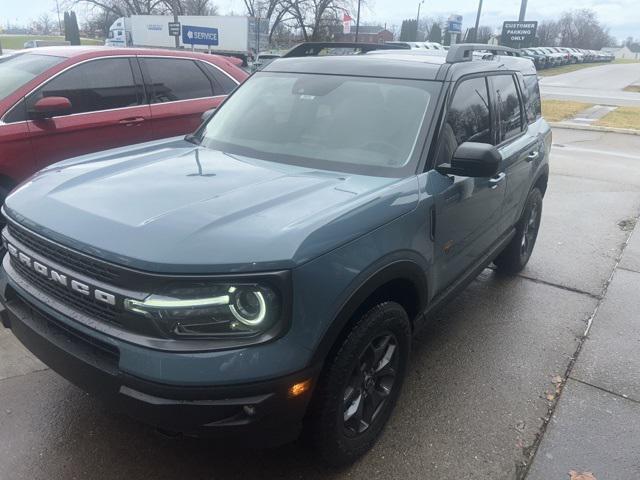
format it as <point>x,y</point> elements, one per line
<point>519,34</point>
<point>174,29</point>
<point>199,35</point>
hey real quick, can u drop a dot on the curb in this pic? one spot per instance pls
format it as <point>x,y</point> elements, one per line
<point>578,126</point>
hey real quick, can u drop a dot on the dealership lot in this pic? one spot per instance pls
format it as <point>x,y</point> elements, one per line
<point>476,395</point>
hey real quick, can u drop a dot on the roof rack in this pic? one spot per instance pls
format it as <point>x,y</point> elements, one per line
<point>463,52</point>
<point>313,49</point>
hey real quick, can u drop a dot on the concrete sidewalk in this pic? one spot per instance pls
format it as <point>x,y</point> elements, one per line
<point>596,425</point>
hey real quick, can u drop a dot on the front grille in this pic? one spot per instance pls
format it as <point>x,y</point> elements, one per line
<point>67,258</point>
<point>83,303</point>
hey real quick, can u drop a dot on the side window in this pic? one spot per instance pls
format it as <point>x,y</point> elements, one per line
<point>92,86</point>
<point>174,79</point>
<point>532,102</point>
<point>468,118</point>
<point>508,103</point>
<point>222,84</point>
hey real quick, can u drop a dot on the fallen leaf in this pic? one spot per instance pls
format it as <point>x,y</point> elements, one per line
<point>573,475</point>
<point>550,397</point>
<point>557,379</point>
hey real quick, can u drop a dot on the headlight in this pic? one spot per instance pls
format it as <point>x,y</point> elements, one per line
<point>204,310</point>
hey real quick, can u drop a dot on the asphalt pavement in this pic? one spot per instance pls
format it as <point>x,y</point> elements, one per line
<point>480,392</point>
<point>602,85</point>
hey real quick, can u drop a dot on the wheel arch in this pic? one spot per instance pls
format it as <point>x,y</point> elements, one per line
<point>403,282</point>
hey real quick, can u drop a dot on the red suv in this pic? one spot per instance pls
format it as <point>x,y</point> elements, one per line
<point>59,102</point>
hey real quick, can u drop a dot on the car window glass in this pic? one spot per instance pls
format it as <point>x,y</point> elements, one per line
<point>20,68</point>
<point>468,118</point>
<point>222,84</point>
<point>93,86</point>
<point>532,100</point>
<point>508,103</point>
<point>174,79</point>
<point>367,125</point>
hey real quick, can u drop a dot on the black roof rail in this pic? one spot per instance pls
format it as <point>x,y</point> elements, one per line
<point>312,49</point>
<point>463,52</point>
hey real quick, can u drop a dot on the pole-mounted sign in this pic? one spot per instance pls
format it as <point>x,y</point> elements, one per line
<point>518,34</point>
<point>174,29</point>
<point>199,36</point>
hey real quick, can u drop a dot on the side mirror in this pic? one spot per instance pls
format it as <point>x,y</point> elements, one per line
<point>473,159</point>
<point>48,107</point>
<point>207,115</point>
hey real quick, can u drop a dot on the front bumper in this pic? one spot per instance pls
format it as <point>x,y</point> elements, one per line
<point>259,414</point>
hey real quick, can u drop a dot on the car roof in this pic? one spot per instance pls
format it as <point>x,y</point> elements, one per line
<point>91,51</point>
<point>408,64</point>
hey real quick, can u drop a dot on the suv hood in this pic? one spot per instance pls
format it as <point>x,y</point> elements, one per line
<point>170,206</point>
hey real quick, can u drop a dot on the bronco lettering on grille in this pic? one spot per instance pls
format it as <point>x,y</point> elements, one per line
<point>60,278</point>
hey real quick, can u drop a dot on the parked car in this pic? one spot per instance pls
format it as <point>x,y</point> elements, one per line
<point>60,102</point>
<point>538,59</point>
<point>269,270</point>
<point>557,58</point>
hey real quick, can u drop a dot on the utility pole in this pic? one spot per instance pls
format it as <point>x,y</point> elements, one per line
<point>358,21</point>
<point>475,31</point>
<point>175,19</point>
<point>59,23</point>
<point>523,10</point>
<point>418,21</point>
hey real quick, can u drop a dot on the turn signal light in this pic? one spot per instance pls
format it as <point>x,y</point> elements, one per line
<point>298,389</point>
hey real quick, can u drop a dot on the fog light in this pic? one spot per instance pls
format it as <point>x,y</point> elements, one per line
<point>299,388</point>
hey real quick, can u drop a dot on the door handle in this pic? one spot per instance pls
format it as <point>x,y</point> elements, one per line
<point>533,156</point>
<point>131,121</point>
<point>495,181</point>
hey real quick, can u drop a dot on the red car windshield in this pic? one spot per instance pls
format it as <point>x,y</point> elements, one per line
<point>16,70</point>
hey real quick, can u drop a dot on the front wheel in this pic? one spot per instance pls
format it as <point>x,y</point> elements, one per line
<point>518,252</point>
<point>360,385</point>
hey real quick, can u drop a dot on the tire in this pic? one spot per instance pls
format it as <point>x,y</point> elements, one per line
<point>368,366</point>
<point>518,252</point>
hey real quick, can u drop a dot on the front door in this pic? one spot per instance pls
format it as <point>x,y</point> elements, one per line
<point>108,110</point>
<point>518,146</point>
<point>467,210</point>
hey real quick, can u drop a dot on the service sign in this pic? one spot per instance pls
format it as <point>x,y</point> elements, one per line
<point>199,35</point>
<point>518,34</point>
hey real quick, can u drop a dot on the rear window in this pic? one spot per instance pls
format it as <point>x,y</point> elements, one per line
<point>176,79</point>
<point>532,102</point>
<point>16,70</point>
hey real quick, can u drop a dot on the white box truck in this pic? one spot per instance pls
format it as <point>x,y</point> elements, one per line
<point>227,35</point>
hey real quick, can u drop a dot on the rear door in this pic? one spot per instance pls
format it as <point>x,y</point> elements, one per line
<point>518,145</point>
<point>181,90</point>
<point>467,209</point>
<point>108,110</point>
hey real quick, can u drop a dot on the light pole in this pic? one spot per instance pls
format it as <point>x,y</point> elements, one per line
<point>475,31</point>
<point>358,21</point>
<point>418,20</point>
<point>523,10</point>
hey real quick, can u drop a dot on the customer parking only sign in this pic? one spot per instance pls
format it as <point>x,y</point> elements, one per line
<point>199,35</point>
<point>518,34</point>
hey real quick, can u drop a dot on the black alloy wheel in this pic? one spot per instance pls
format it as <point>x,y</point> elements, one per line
<point>370,384</point>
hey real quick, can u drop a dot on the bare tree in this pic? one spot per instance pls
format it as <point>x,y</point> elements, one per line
<point>43,24</point>
<point>548,33</point>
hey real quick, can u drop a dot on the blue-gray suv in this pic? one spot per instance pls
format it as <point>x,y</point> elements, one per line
<point>264,275</point>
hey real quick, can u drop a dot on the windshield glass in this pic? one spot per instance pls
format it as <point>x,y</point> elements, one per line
<point>354,124</point>
<point>17,70</point>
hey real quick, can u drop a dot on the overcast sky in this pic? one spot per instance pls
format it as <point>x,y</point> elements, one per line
<point>622,16</point>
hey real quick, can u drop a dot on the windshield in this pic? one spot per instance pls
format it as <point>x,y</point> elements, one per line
<point>354,124</point>
<point>17,70</point>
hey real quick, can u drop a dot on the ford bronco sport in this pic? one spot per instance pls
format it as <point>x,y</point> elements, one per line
<point>265,274</point>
